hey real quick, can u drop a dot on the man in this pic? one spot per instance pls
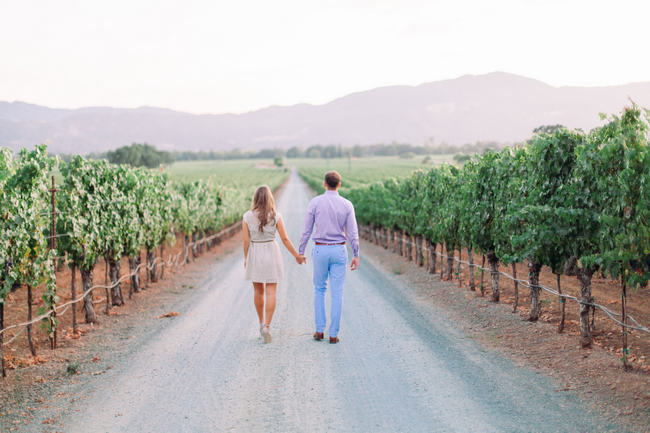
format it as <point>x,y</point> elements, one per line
<point>334,217</point>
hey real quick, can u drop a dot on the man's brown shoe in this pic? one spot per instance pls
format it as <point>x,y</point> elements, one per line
<point>318,336</point>
<point>334,340</point>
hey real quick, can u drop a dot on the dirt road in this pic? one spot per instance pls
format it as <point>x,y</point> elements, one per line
<point>400,365</point>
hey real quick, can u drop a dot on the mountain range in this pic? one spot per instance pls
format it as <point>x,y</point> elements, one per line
<point>497,106</point>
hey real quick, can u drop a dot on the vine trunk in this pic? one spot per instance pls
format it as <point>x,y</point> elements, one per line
<point>116,288</point>
<point>514,275</point>
<point>534,268</point>
<point>2,326</point>
<point>86,283</point>
<point>73,277</point>
<point>409,248</point>
<point>494,273</point>
<point>195,252</point>
<point>135,276</point>
<point>560,326</point>
<point>449,272</point>
<point>151,262</point>
<point>162,258</point>
<point>432,257</point>
<point>472,284</point>
<point>419,259</point>
<point>584,276</point>
<point>29,318</point>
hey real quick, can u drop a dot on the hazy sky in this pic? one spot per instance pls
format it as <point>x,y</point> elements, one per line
<point>215,56</point>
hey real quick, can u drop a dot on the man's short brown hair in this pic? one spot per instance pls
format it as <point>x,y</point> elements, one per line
<point>332,179</point>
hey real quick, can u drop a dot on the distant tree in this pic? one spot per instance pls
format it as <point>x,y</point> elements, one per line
<point>461,157</point>
<point>330,151</point>
<point>426,160</point>
<point>548,129</point>
<point>278,161</point>
<point>295,152</point>
<point>139,155</point>
<point>92,155</point>
<point>135,154</point>
<point>314,151</point>
<point>267,153</point>
<point>234,154</point>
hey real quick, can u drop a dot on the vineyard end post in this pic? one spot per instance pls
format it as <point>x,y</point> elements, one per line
<point>53,247</point>
<point>625,350</point>
<point>560,327</point>
<point>2,324</point>
<point>514,276</point>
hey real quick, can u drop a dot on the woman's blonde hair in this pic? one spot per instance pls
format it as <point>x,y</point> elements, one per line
<point>264,205</point>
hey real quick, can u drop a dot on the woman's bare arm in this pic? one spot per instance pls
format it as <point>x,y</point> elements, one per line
<point>247,239</point>
<point>287,242</point>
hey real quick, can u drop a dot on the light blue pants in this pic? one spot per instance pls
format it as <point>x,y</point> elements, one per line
<point>330,262</point>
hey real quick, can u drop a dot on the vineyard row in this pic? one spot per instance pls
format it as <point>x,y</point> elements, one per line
<point>575,202</point>
<point>98,210</point>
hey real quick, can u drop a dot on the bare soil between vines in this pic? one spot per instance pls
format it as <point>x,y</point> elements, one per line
<point>595,375</point>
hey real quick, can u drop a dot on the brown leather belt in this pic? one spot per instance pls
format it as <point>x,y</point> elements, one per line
<point>338,243</point>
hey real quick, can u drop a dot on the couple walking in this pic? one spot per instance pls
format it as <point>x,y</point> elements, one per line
<point>330,218</point>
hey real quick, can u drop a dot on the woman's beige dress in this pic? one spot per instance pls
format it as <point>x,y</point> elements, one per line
<point>264,261</point>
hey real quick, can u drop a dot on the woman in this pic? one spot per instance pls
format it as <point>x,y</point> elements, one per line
<point>262,257</point>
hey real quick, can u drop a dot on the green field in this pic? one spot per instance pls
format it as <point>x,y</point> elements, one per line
<point>238,180</point>
<point>239,173</point>
<point>361,171</point>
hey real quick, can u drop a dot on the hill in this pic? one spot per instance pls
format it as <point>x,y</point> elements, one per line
<point>492,107</point>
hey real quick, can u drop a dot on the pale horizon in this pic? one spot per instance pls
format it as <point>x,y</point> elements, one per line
<point>212,58</point>
<point>300,103</point>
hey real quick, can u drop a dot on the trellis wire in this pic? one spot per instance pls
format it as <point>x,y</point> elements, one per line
<point>173,261</point>
<point>611,314</point>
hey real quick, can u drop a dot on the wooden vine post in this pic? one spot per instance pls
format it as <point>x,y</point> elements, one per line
<point>53,337</point>
<point>32,349</point>
<point>482,276</point>
<point>162,258</point>
<point>514,276</point>
<point>626,350</point>
<point>449,272</point>
<point>560,327</point>
<point>107,287</point>
<point>73,272</point>
<point>386,234</point>
<point>470,256</point>
<point>460,258</point>
<point>2,358</point>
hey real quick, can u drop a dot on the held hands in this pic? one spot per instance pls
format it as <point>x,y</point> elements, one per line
<point>301,258</point>
<point>355,263</point>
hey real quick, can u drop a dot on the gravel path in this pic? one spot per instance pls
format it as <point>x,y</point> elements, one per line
<point>400,365</point>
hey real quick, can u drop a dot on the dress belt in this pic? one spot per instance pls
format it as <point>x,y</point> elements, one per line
<point>262,242</point>
<point>338,243</point>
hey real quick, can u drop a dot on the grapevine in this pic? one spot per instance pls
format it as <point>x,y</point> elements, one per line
<point>573,201</point>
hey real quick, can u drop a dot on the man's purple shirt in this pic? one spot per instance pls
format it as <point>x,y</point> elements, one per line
<point>333,216</point>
